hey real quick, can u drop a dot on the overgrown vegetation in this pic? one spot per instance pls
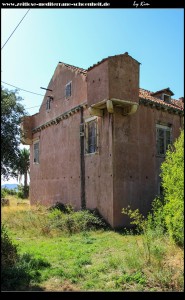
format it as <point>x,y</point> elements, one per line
<point>17,270</point>
<point>19,193</point>
<point>152,229</point>
<point>173,184</point>
<point>71,251</point>
<point>11,113</point>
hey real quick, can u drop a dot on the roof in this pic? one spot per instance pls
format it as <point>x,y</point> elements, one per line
<point>163,91</point>
<point>104,59</point>
<point>74,68</point>
<point>143,94</point>
<point>147,95</point>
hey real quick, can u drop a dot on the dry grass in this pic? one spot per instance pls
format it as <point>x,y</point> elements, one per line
<point>94,261</point>
<point>55,284</point>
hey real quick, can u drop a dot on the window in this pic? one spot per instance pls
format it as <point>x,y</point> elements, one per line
<point>68,89</point>
<point>36,152</point>
<point>163,134</point>
<point>48,103</point>
<point>91,135</point>
<point>166,98</point>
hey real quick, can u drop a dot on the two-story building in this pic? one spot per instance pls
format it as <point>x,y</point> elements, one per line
<point>98,139</point>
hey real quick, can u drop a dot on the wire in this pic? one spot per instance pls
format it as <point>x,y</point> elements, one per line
<point>15,29</point>
<point>31,107</point>
<point>22,89</point>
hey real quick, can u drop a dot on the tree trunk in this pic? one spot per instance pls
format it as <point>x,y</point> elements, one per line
<point>25,186</point>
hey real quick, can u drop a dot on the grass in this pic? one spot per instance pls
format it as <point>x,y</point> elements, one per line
<point>90,260</point>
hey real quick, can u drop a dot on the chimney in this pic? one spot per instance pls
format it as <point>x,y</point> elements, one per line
<point>181,99</point>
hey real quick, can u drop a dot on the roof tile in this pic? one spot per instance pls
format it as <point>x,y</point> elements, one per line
<point>145,94</point>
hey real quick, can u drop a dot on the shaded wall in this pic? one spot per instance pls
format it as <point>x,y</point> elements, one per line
<point>99,171</point>
<point>136,164</point>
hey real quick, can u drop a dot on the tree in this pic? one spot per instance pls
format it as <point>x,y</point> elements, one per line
<point>173,184</point>
<point>11,113</point>
<point>22,169</point>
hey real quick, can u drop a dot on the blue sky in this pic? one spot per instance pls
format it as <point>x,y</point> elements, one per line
<point>82,37</point>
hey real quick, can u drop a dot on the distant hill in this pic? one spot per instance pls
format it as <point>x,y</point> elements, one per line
<point>10,186</point>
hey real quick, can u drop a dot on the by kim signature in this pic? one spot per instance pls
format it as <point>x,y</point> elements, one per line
<point>141,4</point>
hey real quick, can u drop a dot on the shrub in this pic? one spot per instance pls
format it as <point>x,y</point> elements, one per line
<point>152,227</point>
<point>9,254</point>
<point>75,221</point>
<point>3,193</point>
<point>17,271</point>
<point>22,191</point>
<point>11,270</point>
<point>65,208</point>
<point>173,184</point>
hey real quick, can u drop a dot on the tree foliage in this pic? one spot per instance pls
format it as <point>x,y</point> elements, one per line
<point>173,184</point>
<point>22,169</point>
<point>11,113</point>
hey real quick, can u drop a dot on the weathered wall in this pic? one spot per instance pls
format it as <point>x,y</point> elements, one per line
<point>98,83</point>
<point>117,77</point>
<point>57,176</point>
<point>136,164</point>
<point>123,78</point>
<point>99,171</point>
<point>26,130</point>
<point>60,104</point>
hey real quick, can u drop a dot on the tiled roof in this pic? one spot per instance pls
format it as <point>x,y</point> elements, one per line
<point>163,91</point>
<point>104,59</point>
<point>147,95</point>
<point>76,69</point>
<point>143,94</point>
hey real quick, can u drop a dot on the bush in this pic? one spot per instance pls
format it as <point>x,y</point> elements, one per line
<point>72,222</point>
<point>22,191</point>
<point>65,208</point>
<point>152,227</point>
<point>9,254</point>
<point>17,271</point>
<point>173,184</point>
<point>3,193</point>
<point>13,274</point>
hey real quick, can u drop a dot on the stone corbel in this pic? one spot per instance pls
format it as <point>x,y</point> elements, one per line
<point>110,107</point>
<point>95,112</point>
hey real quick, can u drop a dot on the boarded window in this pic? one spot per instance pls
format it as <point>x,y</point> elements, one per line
<point>36,152</point>
<point>163,135</point>
<point>68,90</point>
<point>91,136</point>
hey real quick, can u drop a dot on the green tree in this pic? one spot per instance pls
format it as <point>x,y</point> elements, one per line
<point>173,184</point>
<point>11,113</point>
<point>22,168</point>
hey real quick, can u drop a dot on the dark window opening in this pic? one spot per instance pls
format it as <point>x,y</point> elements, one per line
<point>166,98</point>
<point>48,103</point>
<point>36,152</point>
<point>68,90</point>
<point>91,136</point>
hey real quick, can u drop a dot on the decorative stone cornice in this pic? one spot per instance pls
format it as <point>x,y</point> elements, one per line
<point>59,118</point>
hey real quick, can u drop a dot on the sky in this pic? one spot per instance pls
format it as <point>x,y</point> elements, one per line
<point>82,37</point>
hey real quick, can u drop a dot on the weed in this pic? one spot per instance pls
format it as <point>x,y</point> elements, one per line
<point>136,277</point>
<point>86,259</point>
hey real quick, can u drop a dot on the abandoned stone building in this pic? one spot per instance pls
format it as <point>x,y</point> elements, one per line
<point>98,139</point>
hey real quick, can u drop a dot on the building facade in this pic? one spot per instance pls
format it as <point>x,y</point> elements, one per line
<point>98,139</point>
